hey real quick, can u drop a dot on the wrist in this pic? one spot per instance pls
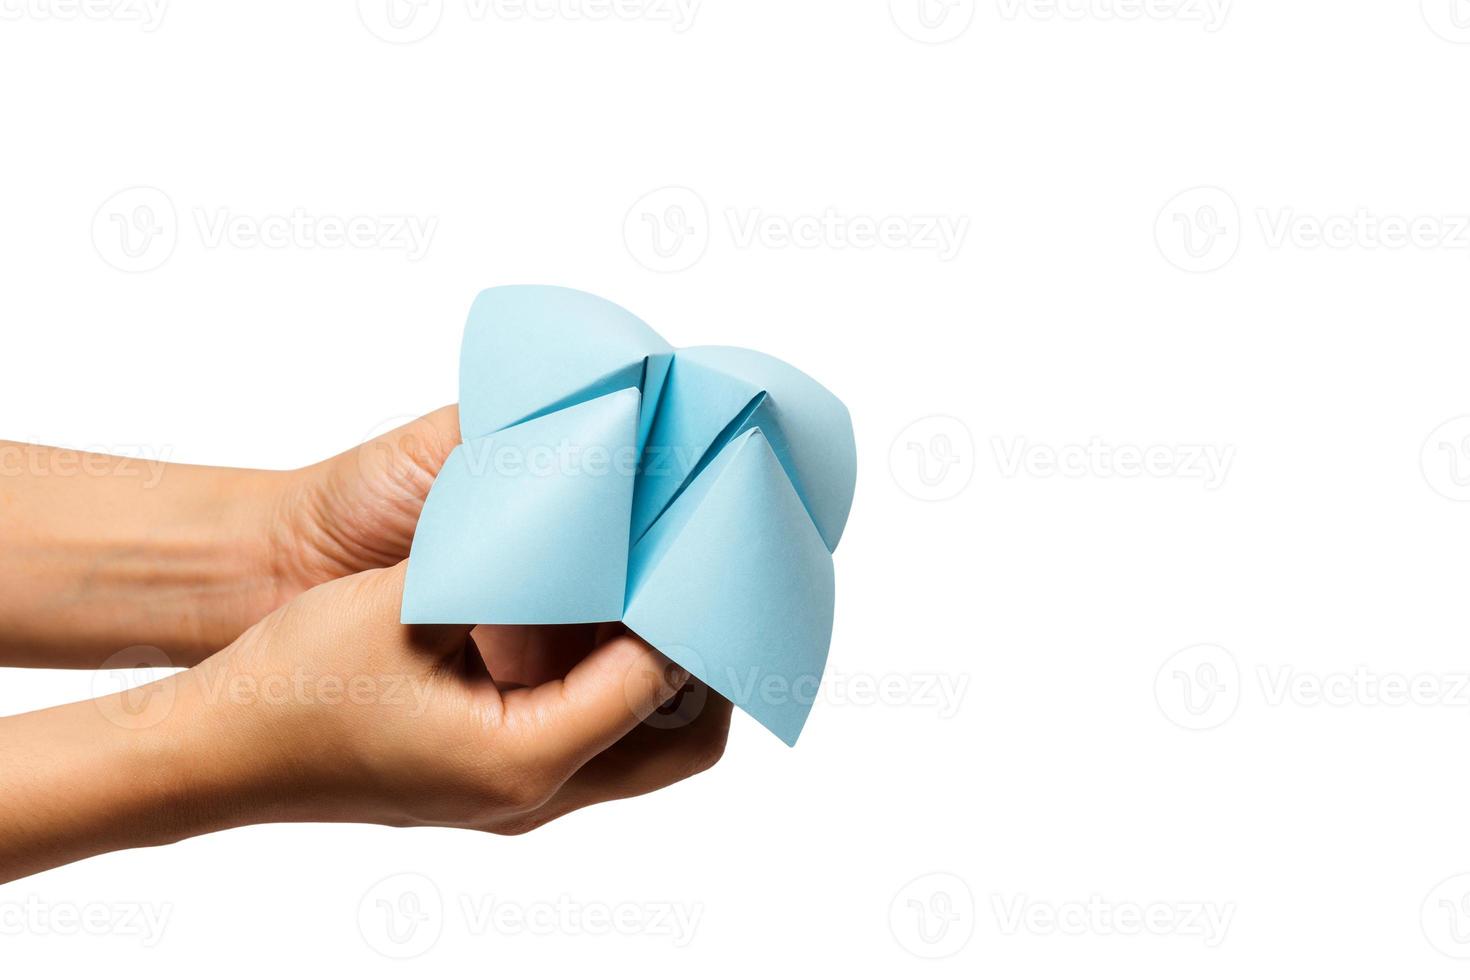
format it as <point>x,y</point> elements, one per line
<point>113,555</point>
<point>224,757</point>
<point>208,566</point>
<point>257,735</point>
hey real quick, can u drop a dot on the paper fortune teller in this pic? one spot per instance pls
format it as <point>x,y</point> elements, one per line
<point>696,495</point>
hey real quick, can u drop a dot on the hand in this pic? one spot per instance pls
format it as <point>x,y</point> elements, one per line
<point>330,710</point>
<point>106,554</point>
<point>432,736</point>
<point>357,510</point>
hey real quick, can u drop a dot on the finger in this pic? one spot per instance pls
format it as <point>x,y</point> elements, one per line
<point>525,656</point>
<point>392,473</point>
<point>572,719</point>
<point>651,756</point>
<point>645,760</point>
<point>606,632</point>
<point>425,442</point>
<point>383,592</point>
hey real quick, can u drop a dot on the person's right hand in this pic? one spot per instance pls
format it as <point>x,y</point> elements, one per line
<point>330,710</point>
<point>335,711</point>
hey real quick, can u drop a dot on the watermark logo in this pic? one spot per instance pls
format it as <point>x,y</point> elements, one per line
<point>402,916</point>
<point>1199,229</point>
<point>400,21</point>
<point>389,460</point>
<point>933,458</point>
<point>1450,19</point>
<point>687,704</point>
<point>124,688</point>
<point>1445,917</point>
<point>933,916</point>
<point>667,230</point>
<point>1198,688</point>
<point>136,229</point>
<point>932,21</point>
<point>1445,459</point>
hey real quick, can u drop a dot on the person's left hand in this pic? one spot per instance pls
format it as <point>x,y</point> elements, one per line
<point>109,556</point>
<point>358,510</point>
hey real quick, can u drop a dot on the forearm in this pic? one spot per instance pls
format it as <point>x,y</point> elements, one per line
<point>105,775</point>
<point>99,554</point>
<point>203,750</point>
<point>333,710</point>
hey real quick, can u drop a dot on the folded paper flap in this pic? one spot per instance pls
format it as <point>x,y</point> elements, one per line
<point>808,427</point>
<point>724,480</point>
<point>650,547</point>
<point>528,348</point>
<point>755,624</point>
<point>532,350</point>
<point>480,553</point>
<point>655,373</point>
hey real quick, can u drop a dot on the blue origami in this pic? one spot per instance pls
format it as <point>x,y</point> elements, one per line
<point>695,495</point>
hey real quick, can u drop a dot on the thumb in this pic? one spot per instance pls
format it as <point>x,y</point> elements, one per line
<point>382,591</point>
<point>601,699</point>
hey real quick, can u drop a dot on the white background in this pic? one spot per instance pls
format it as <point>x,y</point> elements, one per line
<point>1185,226</point>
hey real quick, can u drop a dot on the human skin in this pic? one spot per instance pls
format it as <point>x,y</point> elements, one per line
<point>329,709</point>
<point>319,705</point>
<point>105,554</point>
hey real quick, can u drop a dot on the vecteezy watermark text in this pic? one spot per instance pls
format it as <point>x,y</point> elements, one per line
<point>27,459</point>
<point>1208,922</point>
<point>404,915</point>
<point>32,916</point>
<point>1365,229</point>
<point>147,14</point>
<point>1208,464</point>
<point>408,21</point>
<point>300,228</point>
<point>935,915</point>
<point>565,916</point>
<point>941,234</point>
<point>301,686</point>
<point>669,230</point>
<point>136,688</point>
<point>1210,14</point>
<point>138,229</point>
<point>1201,230</point>
<point>1200,687</point>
